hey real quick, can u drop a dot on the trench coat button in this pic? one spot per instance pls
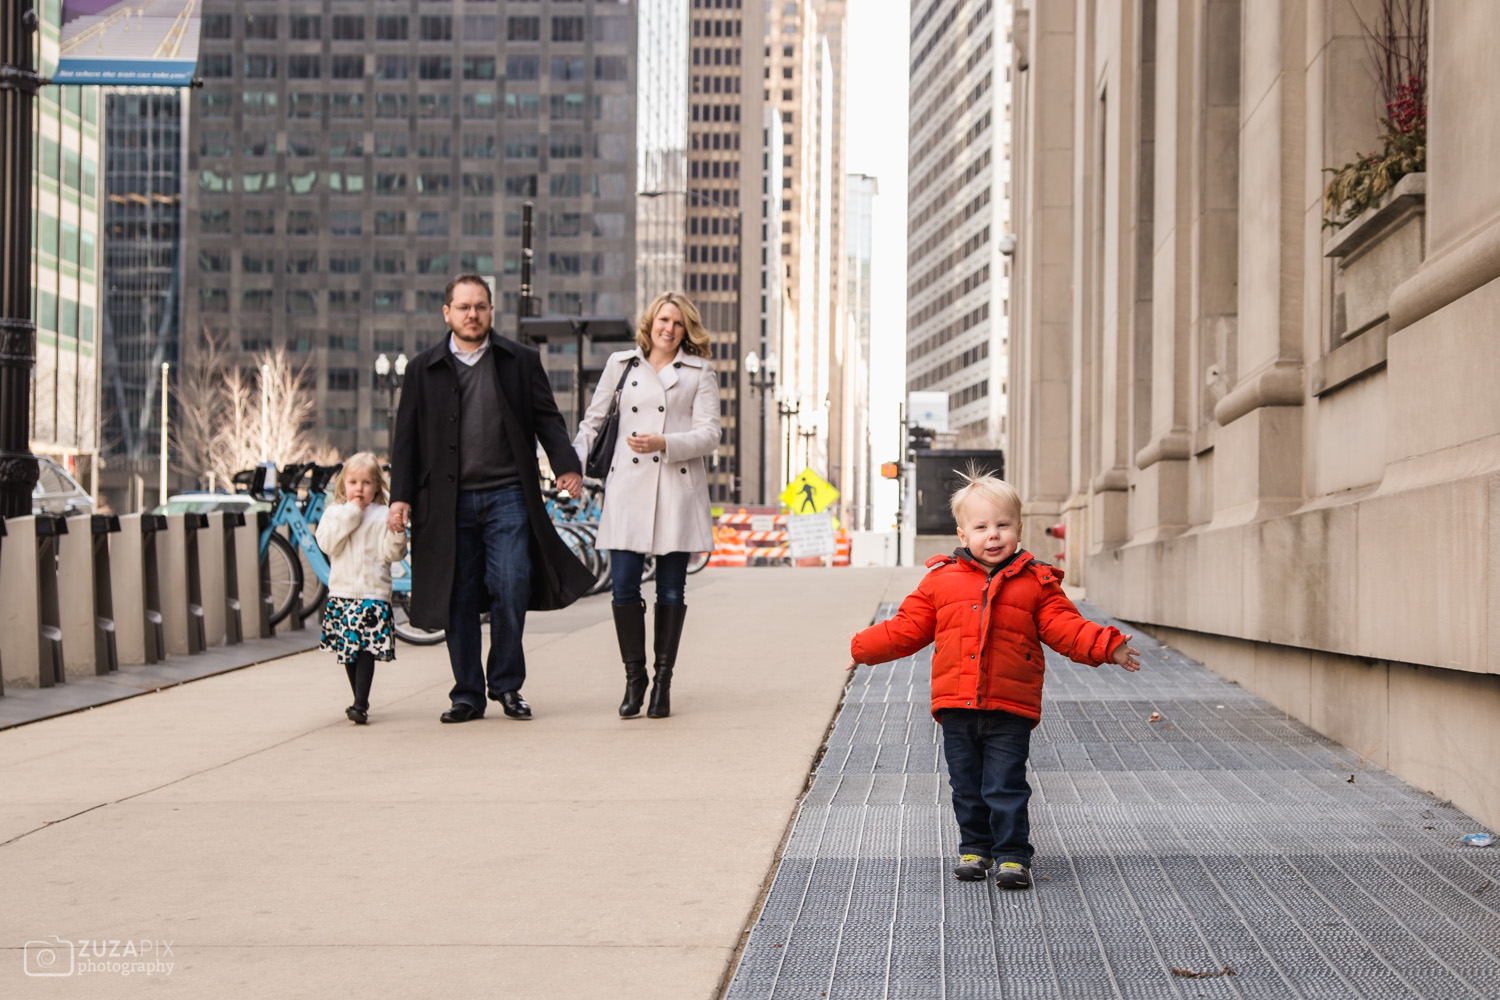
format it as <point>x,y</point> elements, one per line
<point>635,383</point>
<point>632,409</point>
<point>683,470</point>
<point>453,418</point>
<point>971,656</point>
<point>1028,656</point>
<point>635,460</point>
<point>655,458</point>
<point>450,477</point>
<point>453,447</point>
<point>661,409</point>
<point>677,364</point>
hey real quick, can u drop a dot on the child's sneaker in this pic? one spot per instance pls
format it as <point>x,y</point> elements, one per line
<point>1011,875</point>
<point>971,868</point>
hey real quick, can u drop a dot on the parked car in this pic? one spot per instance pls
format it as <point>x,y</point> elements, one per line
<point>57,492</point>
<point>211,503</point>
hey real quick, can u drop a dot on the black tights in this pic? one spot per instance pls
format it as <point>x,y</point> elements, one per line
<point>361,672</point>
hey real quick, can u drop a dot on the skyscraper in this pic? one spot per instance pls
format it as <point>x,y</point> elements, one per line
<point>958,208</point>
<point>347,160</point>
<point>859,204</point>
<point>803,80</point>
<point>65,267</point>
<point>722,203</point>
<point>142,279</point>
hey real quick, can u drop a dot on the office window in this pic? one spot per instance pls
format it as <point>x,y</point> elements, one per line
<point>479,146</point>
<point>523,29</point>
<point>565,68</point>
<point>481,28</point>
<point>347,28</point>
<point>305,27</point>
<point>346,67</point>
<point>345,222</point>
<point>479,223</point>
<point>390,28</point>
<point>430,145</point>
<point>390,223</point>
<point>437,28</point>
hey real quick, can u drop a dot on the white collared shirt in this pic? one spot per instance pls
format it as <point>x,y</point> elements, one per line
<point>470,358</point>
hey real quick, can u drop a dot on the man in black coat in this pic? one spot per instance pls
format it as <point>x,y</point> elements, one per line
<point>464,475</point>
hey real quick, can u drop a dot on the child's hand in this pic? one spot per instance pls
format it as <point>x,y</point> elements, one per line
<point>359,502</point>
<point>852,663</point>
<point>1127,657</point>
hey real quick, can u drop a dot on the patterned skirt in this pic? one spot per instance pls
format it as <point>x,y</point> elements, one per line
<point>351,625</point>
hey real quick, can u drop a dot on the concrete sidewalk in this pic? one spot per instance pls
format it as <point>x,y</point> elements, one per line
<point>284,852</point>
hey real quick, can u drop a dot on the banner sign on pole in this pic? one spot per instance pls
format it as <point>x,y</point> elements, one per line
<point>140,43</point>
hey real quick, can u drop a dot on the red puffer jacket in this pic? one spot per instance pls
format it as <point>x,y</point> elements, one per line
<point>989,631</point>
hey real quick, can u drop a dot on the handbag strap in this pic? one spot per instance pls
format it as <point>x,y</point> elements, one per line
<point>614,404</point>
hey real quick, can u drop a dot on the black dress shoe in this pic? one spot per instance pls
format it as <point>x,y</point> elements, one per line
<point>462,712</point>
<point>357,715</point>
<point>513,704</point>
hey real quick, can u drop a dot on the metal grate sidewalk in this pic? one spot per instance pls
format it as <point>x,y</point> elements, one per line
<point>1224,836</point>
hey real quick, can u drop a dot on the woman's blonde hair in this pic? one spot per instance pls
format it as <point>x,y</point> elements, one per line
<point>981,483</point>
<point>367,461</point>
<point>696,340</point>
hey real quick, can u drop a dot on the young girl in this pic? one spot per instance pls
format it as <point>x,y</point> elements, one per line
<point>360,550</point>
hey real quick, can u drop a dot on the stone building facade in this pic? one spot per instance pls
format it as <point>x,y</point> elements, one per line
<point>1273,444</point>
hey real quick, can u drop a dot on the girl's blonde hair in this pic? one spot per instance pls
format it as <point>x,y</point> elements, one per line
<point>981,483</point>
<point>367,461</point>
<point>694,342</point>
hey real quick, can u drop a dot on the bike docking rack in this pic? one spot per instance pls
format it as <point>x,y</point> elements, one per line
<point>219,560</point>
<point>182,588</point>
<point>31,638</point>
<point>106,650</point>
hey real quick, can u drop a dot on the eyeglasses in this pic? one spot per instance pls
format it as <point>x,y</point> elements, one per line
<point>481,307</point>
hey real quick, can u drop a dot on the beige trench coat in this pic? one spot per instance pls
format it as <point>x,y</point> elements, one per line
<point>657,502</point>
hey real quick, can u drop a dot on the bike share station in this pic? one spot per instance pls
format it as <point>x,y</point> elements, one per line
<point>96,608</point>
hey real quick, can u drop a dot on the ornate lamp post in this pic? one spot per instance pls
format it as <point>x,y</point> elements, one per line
<point>762,383</point>
<point>18,86</point>
<point>389,377</point>
<point>788,407</point>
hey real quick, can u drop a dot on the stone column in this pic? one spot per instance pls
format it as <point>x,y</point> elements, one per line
<point>1258,453</point>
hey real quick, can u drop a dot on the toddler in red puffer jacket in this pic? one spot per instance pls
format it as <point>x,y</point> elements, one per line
<point>988,608</point>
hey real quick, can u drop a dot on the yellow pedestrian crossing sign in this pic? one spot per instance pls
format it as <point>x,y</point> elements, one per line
<point>809,493</point>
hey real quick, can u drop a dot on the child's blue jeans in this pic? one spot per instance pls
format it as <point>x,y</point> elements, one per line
<point>986,753</point>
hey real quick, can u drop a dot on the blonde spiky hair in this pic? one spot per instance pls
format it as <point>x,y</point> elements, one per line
<point>982,483</point>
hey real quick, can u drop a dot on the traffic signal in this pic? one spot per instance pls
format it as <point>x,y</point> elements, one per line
<point>919,438</point>
<point>890,470</point>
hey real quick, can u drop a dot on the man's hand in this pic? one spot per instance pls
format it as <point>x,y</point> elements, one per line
<point>398,518</point>
<point>570,483</point>
<point>1125,656</point>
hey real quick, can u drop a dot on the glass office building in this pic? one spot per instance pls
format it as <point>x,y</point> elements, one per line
<point>65,265</point>
<point>142,279</point>
<point>345,160</point>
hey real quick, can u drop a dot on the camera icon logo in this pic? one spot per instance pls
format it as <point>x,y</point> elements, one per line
<point>51,956</point>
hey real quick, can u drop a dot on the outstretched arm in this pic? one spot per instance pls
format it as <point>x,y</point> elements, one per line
<point>912,628</point>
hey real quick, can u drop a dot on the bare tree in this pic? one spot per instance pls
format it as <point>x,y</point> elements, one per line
<point>231,417</point>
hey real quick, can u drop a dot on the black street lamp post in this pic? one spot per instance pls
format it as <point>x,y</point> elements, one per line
<point>739,263</point>
<point>786,408</point>
<point>19,83</point>
<point>389,377</point>
<point>762,380</point>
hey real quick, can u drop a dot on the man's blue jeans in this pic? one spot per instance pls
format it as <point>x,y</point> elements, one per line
<point>986,753</point>
<point>626,569</point>
<point>491,571</point>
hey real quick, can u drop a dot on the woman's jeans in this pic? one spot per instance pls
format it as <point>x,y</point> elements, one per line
<point>491,572</point>
<point>626,568</point>
<point>986,753</point>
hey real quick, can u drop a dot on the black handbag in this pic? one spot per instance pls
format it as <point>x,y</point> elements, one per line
<point>602,452</point>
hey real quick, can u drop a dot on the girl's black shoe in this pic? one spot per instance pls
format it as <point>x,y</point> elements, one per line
<point>357,715</point>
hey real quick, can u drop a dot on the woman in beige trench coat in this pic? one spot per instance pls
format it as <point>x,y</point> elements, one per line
<point>656,493</point>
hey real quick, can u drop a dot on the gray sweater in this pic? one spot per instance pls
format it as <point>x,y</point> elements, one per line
<point>484,456</point>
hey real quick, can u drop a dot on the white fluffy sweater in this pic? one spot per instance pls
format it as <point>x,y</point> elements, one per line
<point>360,550</point>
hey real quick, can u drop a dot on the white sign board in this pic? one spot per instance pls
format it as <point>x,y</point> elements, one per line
<point>810,535</point>
<point>927,409</point>
<point>762,522</point>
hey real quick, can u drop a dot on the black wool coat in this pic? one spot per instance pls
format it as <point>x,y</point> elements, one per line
<point>424,473</point>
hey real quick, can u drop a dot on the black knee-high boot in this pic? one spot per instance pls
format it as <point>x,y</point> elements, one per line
<point>361,675</point>
<point>669,618</point>
<point>630,632</point>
